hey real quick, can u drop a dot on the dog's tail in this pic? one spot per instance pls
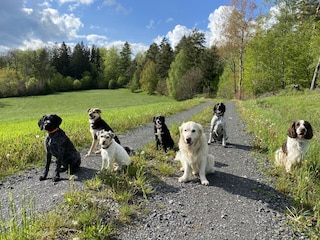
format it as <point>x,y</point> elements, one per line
<point>129,150</point>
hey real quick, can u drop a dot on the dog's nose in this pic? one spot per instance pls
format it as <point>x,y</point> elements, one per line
<point>188,140</point>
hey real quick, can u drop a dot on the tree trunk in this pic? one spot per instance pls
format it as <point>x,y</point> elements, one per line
<point>315,76</point>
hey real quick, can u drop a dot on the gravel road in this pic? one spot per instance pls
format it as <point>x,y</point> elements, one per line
<point>239,203</point>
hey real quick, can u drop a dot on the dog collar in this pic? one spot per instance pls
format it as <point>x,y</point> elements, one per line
<point>53,131</point>
<point>106,147</point>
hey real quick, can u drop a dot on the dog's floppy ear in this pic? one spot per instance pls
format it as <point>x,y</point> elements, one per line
<point>292,131</point>
<point>200,129</point>
<point>308,126</point>
<point>89,109</point>
<point>223,107</point>
<point>112,134</point>
<point>57,120</point>
<point>154,119</point>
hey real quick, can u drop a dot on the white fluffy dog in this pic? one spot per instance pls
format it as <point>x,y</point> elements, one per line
<point>193,153</point>
<point>112,153</point>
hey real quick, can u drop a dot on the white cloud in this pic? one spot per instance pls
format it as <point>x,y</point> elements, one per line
<point>177,33</point>
<point>67,24</point>
<point>150,25</point>
<point>216,25</point>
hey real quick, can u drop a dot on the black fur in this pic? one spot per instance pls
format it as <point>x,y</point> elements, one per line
<point>219,109</point>
<point>162,134</point>
<point>100,124</point>
<point>58,144</point>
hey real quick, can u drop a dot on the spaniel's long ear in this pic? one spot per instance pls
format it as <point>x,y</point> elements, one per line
<point>308,126</point>
<point>292,131</point>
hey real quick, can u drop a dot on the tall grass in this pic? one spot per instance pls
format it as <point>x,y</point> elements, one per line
<point>269,119</point>
<point>21,139</point>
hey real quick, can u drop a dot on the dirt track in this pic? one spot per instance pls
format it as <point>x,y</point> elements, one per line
<point>239,203</point>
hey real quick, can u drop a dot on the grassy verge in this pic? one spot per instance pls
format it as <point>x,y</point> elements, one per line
<point>269,119</point>
<point>20,138</point>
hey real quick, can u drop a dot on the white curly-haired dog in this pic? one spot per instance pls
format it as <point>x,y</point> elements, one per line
<point>295,148</point>
<point>194,153</point>
<point>112,153</point>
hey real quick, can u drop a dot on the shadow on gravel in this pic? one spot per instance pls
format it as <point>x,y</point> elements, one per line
<point>250,189</point>
<point>161,187</point>
<point>85,173</point>
<point>239,146</point>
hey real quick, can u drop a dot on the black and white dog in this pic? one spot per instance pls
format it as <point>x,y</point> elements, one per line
<point>218,125</point>
<point>162,134</point>
<point>58,144</point>
<point>97,124</point>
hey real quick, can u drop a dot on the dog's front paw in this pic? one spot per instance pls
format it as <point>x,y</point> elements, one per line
<point>182,179</point>
<point>56,179</point>
<point>205,182</point>
<point>41,178</point>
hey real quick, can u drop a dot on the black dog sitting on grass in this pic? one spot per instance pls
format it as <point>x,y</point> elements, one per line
<point>58,144</point>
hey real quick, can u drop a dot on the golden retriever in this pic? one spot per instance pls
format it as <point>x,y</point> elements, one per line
<point>193,153</point>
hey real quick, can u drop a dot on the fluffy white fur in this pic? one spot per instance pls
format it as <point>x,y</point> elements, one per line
<point>193,153</point>
<point>295,148</point>
<point>112,153</point>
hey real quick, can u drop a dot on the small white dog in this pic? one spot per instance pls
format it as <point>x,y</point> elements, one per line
<point>194,153</point>
<point>112,153</point>
<point>218,125</point>
<point>295,148</point>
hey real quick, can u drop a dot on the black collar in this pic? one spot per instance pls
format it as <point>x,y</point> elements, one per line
<point>106,147</point>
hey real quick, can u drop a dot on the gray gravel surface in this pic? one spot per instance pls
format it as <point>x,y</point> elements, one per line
<point>239,203</point>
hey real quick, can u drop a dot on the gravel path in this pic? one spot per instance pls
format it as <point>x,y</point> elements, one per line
<point>239,203</point>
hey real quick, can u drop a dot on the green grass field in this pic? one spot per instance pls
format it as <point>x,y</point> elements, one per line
<point>21,139</point>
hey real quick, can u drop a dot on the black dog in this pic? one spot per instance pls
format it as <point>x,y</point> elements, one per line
<point>58,145</point>
<point>162,134</point>
<point>97,124</point>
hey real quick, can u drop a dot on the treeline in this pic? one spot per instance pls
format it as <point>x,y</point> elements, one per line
<point>270,52</point>
<point>187,70</point>
<point>259,53</point>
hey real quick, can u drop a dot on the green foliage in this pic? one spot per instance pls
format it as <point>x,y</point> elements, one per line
<point>269,119</point>
<point>177,69</point>
<point>149,77</point>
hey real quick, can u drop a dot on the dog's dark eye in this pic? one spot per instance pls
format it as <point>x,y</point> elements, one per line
<point>193,130</point>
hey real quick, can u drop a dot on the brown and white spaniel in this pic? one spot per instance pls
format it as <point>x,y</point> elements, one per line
<point>295,148</point>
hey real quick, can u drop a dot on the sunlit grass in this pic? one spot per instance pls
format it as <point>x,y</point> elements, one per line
<point>21,139</point>
<point>268,119</point>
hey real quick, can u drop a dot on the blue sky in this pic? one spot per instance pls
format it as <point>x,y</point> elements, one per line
<point>30,24</point>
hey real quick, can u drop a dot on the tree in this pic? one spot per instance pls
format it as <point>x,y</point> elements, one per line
<point>211,69</point>
<point>237,32</point>
<point>178,68</point>
<point>149,77</point>
<point>111,63</point>
<point>61,59</point>
<point>124,66</point>
<point>79,61</point>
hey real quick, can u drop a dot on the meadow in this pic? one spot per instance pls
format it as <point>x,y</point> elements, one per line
<point>21,141</point>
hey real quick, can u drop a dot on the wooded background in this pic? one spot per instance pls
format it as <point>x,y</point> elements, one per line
<point>260,53</point>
